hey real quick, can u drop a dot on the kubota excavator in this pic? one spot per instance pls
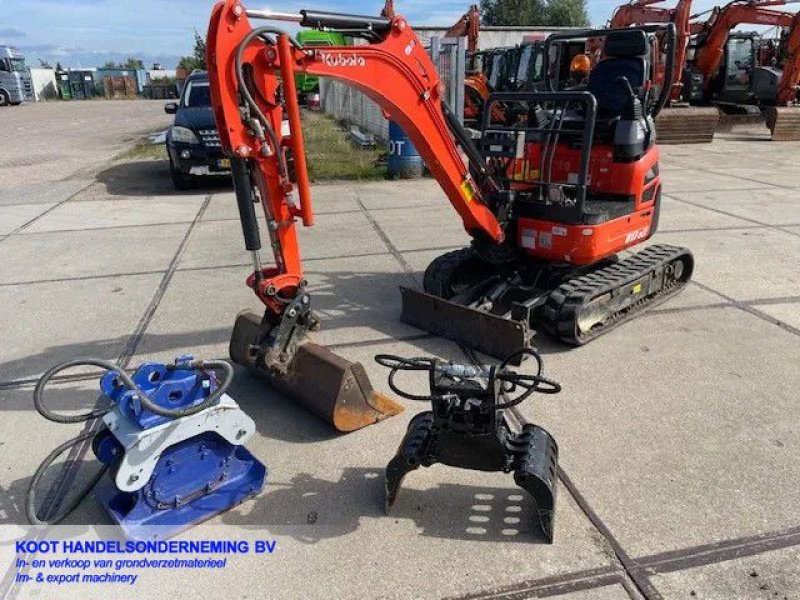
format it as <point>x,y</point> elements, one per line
<point>545,246</point>
<point>677,123</point>
<point>727,74</point>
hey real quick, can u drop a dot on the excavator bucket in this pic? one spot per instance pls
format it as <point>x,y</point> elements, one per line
<point>687,125</point>
<point>333,388</point>
<point>784,123</point>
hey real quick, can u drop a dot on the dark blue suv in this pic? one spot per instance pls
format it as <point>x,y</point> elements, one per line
<point>193,141</point>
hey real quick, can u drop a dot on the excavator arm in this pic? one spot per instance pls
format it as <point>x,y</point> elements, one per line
<point>468,26</point>
<point>255,102</point>
<point>643,12</point>
<point>787,88</point>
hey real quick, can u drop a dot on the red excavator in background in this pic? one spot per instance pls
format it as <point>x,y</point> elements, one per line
<point>724,69</point>
<point>677,123</point>
<point>545,246</point>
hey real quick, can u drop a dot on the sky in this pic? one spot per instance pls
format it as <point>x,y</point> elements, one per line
<point>87,33</point>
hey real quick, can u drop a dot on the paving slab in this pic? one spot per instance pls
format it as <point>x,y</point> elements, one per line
<point>687,180</point>
<point>769,576</point>
<point>686,436</point>
<point>744,264</point>
<point>680,216</point>
<point>400,194</point>
<point>117,213</point>
<point>773,206</point>
<point>41,193</point>
<point>15,216</point>
<point>422,228</point>
<point>71,254</point>
<point>48,325</point>
<point>788,313</point>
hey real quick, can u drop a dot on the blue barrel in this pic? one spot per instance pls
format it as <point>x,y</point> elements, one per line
<point>404,160</point>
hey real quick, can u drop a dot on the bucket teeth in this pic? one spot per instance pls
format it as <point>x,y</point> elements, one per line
<point>333,388</point>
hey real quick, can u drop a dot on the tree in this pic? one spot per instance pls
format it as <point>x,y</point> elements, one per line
<point>44,64</point>
<point>198,58</point>
<point>552,13</point>
<point>513,12</point>
<point>567,13</point>
<point>131,64</point>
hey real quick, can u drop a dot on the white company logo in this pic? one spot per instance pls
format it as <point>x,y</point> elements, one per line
<point>342,60</point>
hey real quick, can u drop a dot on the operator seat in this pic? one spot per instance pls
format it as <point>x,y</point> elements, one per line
<point>625,56</point>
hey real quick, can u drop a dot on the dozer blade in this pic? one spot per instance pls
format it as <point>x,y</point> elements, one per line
<point>784,123</point>
<point>687,125</point>
<point>491,334</point>
<point>333,388</point>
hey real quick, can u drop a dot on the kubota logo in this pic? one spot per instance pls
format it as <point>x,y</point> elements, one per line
<point>341,60</point>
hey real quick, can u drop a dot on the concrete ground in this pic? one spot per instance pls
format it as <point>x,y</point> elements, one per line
<point>678,432</point>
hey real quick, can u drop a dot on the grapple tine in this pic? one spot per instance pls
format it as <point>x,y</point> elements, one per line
<point>491,334</point>
<point>333,388</point>
<point>409,455</point>
<point>537,474</point>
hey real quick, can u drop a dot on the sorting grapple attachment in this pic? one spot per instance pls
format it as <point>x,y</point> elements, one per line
<point>687,125</point>
<point>784,123</point>
<point>473,425</point>
<point>333,388</point>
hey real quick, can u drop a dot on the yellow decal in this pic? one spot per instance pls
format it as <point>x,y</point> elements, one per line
<point>468,190</point>
<point>637,288</point>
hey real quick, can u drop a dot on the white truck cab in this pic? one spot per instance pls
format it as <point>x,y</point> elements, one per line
<point>15,80</point>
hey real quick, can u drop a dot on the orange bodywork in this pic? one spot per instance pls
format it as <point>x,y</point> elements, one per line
<point>638,181</point>
<point>396,72</point>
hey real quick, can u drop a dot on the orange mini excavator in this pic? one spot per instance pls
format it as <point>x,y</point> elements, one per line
<point>550,196</point>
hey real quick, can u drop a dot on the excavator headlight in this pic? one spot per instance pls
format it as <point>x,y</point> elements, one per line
<point>184,135</point>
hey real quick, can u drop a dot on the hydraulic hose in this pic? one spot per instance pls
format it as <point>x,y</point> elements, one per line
<point>124,379</point>
<point>245,91</point>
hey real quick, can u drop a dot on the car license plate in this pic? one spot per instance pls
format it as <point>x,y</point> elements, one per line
<point>225,163</point>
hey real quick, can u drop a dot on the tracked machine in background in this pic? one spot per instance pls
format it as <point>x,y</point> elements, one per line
<point>678,123</point>
<point>549,198</point>
<point>725,69</point>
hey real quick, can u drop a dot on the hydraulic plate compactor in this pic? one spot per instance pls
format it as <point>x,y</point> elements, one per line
<point>474,425</point>
<point>172,443</point>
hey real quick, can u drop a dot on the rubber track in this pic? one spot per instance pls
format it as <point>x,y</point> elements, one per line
<point>559,314</point>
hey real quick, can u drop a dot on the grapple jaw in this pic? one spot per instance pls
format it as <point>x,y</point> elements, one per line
<point>532,454</point>
<point>333,388</point>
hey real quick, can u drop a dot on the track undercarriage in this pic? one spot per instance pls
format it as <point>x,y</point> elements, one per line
<point>498,308</point>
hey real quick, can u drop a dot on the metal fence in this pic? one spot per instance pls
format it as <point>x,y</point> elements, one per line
<point>354,108</point>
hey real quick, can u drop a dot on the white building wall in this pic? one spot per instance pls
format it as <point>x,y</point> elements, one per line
<point>494,37</point>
